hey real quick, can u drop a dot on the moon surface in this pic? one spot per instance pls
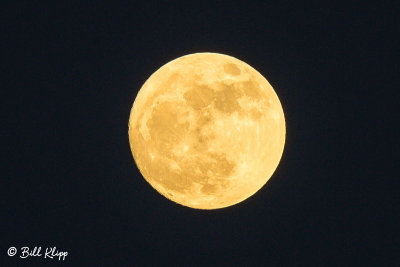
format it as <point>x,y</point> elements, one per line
<point>207,130</point>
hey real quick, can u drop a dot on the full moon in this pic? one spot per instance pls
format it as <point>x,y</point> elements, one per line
<point>207,130</point>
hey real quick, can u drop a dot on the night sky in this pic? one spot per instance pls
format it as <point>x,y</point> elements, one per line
<point>72,71</point>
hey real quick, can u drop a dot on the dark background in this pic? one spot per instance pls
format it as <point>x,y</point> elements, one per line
<point>71,73</point>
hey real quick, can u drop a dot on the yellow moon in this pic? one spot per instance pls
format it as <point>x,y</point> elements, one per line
<point>207,130</point>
